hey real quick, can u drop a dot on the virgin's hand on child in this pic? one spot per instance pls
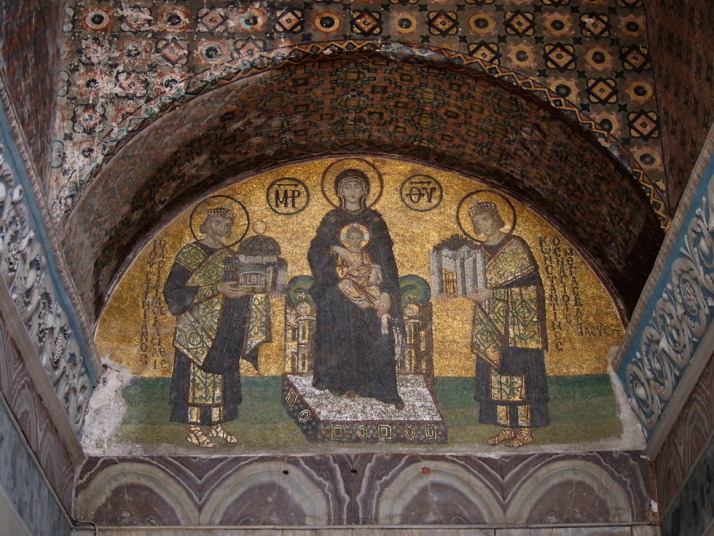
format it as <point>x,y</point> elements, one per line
<point>385,302</point>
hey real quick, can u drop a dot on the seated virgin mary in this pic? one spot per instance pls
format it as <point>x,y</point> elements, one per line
<point>354,355</point>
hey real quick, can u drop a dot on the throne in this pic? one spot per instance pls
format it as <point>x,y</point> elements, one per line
<point>322,416</point>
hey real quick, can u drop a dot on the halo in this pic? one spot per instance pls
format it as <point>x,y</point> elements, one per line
<point>505,209</point>
<point>363,230</point>
<point>240,224</point>
<point>376,184</point>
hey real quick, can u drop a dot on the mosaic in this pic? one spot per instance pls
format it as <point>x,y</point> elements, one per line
<point>118,58</point>
<point>336,323</point>
<point>684,74</point>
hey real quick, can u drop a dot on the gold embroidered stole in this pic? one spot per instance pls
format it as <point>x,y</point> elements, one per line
<point>511,319</point>
<point>258,324</point>
<point>196,328</point>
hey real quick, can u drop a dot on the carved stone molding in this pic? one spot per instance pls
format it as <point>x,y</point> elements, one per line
<point>676,307</point>
<point>52,235</point>
<point>26,272</point>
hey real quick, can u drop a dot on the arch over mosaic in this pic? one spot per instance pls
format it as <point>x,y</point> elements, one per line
<point>315,109</point>
<point>593,54</point>
<point>179,93</point>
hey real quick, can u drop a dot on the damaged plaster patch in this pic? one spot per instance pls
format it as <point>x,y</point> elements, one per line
<point>106,409</point>
<point>632,436</point>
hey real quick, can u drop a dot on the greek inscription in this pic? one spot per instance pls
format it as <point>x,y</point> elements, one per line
<point>563,296</point>
<point>598,330</point>
<point>287,196</point>
<point>152,353</point>
<point>421,193</point>
<point>562,288</point>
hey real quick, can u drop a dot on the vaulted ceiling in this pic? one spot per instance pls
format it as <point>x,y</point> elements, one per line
<point>455,117</point>
<point>163,104</point>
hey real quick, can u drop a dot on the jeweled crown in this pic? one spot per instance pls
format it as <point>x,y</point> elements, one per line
<point>479,207</point>
<point>221,211</point>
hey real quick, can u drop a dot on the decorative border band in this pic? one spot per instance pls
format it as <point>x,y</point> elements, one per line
<point>669,325</point>
<point>30,274</point>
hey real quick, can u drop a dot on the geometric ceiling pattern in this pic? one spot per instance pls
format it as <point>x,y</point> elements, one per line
<point>360,102</point>
<point>683,47</point>
<point>591,54</point>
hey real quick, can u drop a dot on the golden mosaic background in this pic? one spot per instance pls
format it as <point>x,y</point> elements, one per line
<point>136,330</point>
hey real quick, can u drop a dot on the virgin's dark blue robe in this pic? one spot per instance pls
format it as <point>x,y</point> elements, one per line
<point>351,353</point>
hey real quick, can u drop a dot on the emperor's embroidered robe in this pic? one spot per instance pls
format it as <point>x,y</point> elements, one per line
<point>509,339</point>
<point>213,332</point>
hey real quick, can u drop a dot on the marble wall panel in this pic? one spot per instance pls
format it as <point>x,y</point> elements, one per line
<point>24,484</point>
<point>608,530</point>
<point>434,490</point>
<point>690,440</point>
<point>560,489</point>
<point>36,424</point>
<point>369,489</point>
<point>692,514</point>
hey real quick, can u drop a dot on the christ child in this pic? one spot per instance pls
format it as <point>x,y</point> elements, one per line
<point>359,276</point>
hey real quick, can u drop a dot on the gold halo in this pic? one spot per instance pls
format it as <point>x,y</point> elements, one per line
<point>363,230</point>
<point>241,223</point>
<point>504,205</point>
<point>374,177</point>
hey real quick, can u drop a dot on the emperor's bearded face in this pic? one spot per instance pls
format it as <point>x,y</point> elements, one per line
<point>485,223</point>
<point>218,227</point>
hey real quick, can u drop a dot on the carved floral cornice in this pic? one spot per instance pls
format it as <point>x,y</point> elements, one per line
<point>39,290</point>
<point>676,308</point>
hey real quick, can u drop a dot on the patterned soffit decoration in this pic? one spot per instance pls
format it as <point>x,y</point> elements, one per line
<point>270,59</point>
<point>669,327</point>
<point>28,270</point>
